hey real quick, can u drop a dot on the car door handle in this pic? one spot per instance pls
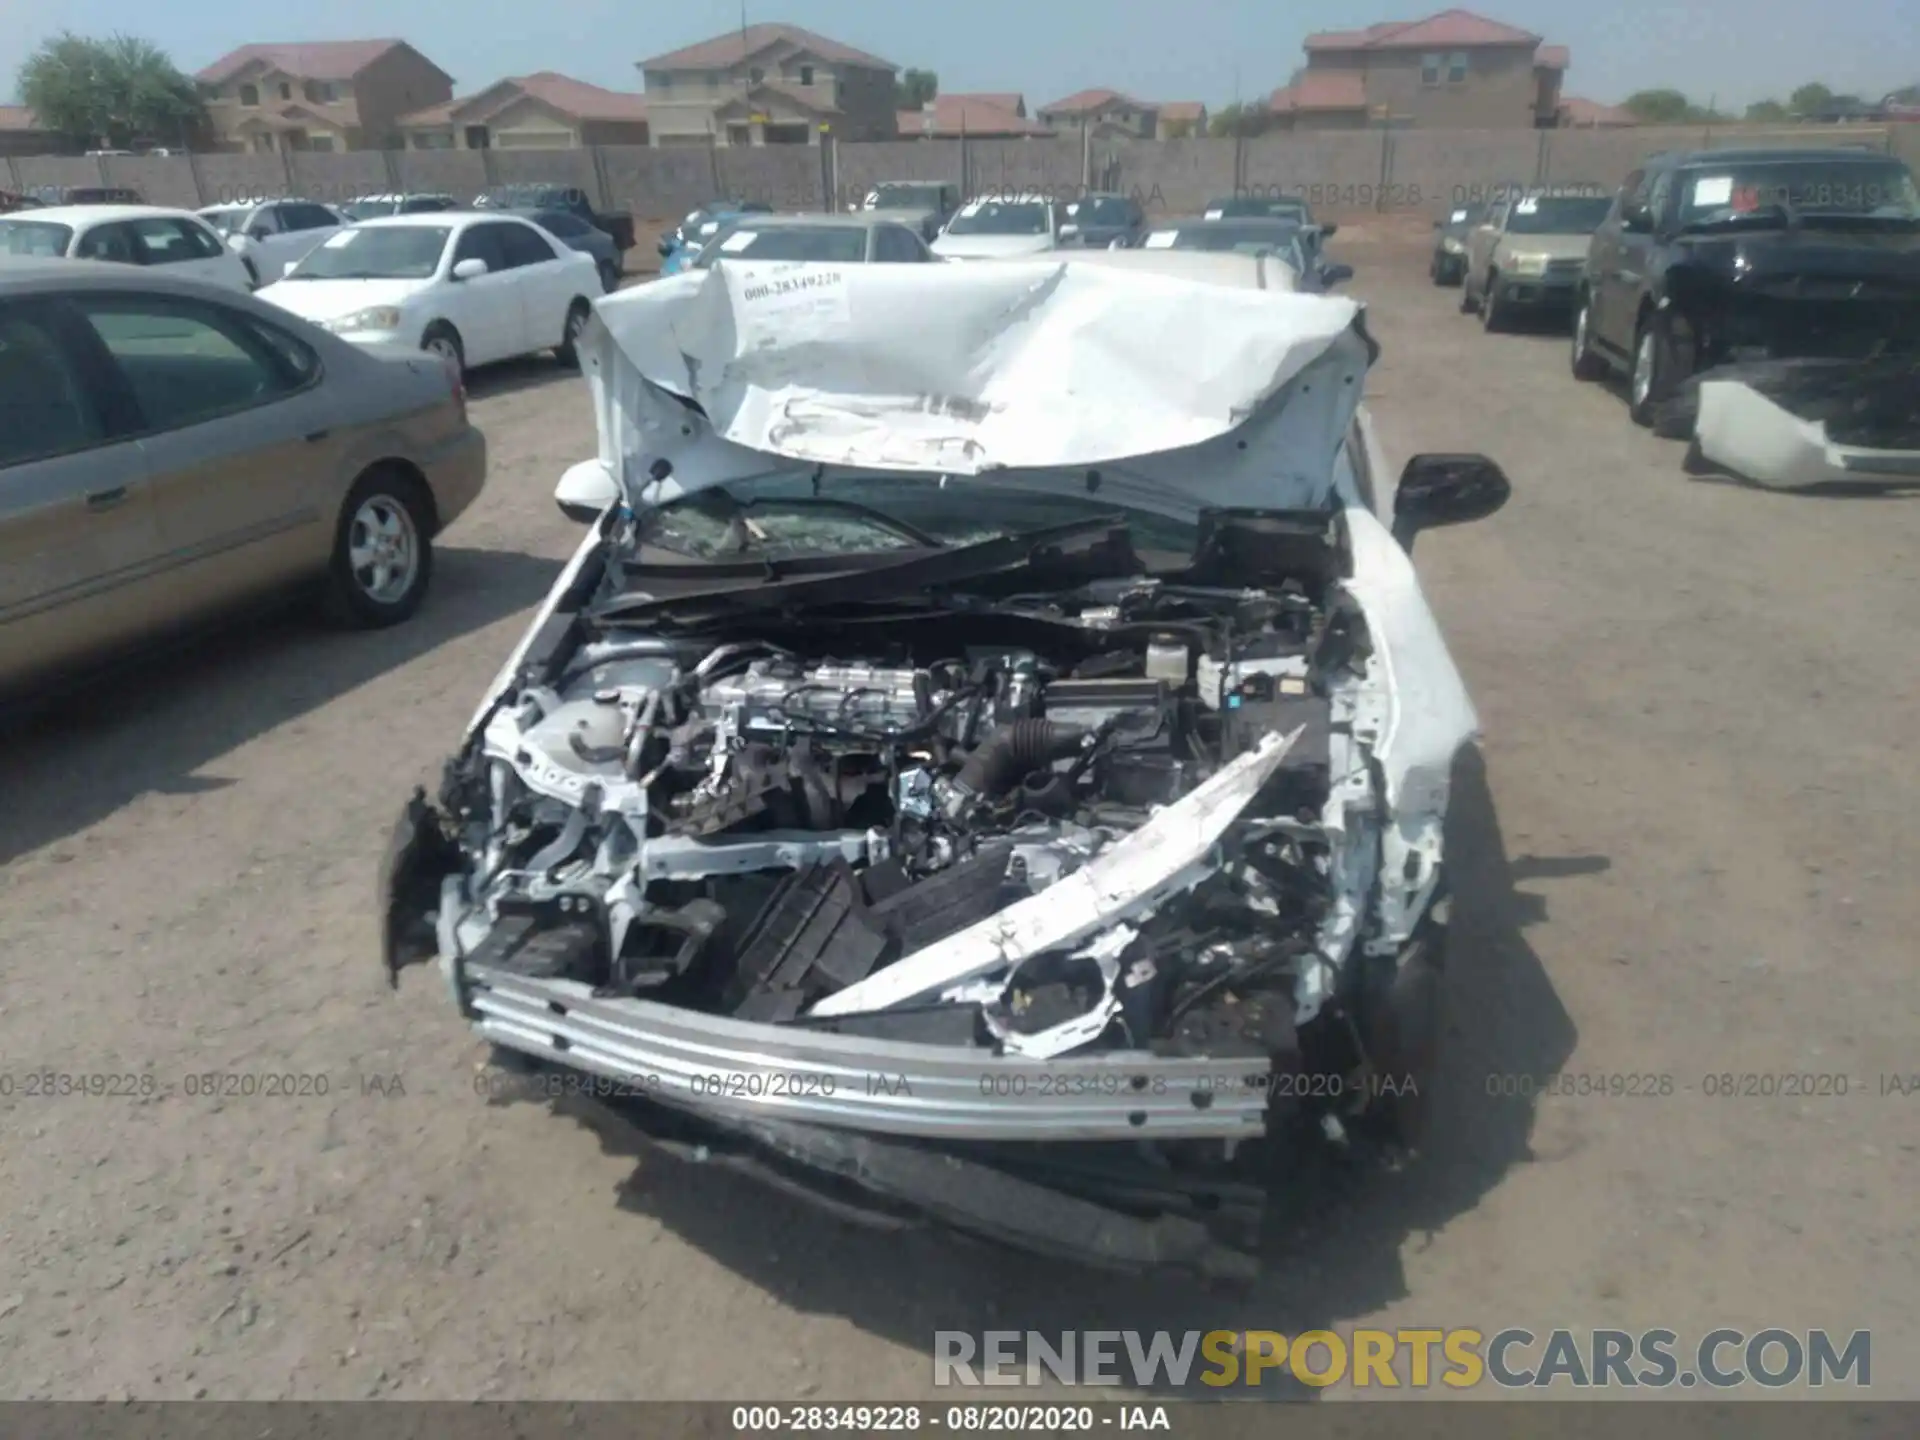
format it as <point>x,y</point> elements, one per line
<point>106,499</point>
<point>314,437</point>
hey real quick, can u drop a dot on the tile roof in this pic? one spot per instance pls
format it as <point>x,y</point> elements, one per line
<point>1577,111</point>
<point>576,99</point>
<point>1193,110</point>
<point>307,60</point>
<point>1321,90</point>
<point>970,115</point>
<point>1449,27</point>
<point>736,45</point>
<point>18,117</point>
<point>1083,101</point>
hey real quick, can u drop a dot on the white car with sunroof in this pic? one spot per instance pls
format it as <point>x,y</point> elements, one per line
<point>473,288</point>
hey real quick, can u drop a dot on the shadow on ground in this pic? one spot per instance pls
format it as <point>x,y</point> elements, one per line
<point>1334,1251</point>
<point>150,725</point>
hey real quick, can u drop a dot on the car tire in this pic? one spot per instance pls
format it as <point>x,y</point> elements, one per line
<point>1469,305</point>
<point>1493,318</point>
<point>1655,370</point>
<point>1586,362</point>
<point>443,340</point>
<point>568,350</point>
<point>382,551</point>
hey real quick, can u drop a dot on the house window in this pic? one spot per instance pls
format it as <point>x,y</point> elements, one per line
<point>320,142</point>
<point>756,75</point>
<point>1457,68</point>
<point>249,94</point>
<point>660,82</point>
<point>806,75</point>
<point>286,90</point>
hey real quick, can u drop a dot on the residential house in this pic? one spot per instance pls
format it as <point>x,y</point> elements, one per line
<point>1107,113</point>
<point>20,134</point>
<point>1579,114</point>
<point>1180,119</point>
<point>994,116</point>
<point>1453,70</point>
<point>543,111</point>
<point>772,84</point>
<point>321,95</point>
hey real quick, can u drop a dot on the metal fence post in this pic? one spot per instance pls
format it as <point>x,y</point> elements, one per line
<point>1386,167</point>
<point>1543,160</point>
<point>286,169</point>
<point>199,185</point>
<point>13,175</point>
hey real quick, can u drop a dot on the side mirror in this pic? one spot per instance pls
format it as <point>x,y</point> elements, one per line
<point>1336,274</point>
<point>469,269</point>
<point>1328,229</point>
<point>1438,490</point>
<point>259,232</point>
<point>665,247</point>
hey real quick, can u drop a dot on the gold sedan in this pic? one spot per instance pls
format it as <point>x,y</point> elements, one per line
<point>169,452</point>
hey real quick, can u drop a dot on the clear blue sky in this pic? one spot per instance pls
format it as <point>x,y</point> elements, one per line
<point>1737,50</point>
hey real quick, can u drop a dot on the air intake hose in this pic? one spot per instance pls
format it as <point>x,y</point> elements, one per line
<point>1013,752</point>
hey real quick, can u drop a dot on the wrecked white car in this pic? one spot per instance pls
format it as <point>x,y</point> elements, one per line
<point>990,764</point>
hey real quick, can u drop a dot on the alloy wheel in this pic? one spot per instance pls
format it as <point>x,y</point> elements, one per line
<point>383,552</point>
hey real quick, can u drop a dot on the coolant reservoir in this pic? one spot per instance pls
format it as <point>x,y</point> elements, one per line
<point>1169,658</point>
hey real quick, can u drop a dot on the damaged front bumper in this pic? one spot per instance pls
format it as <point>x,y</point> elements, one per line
<point>1800,424</point>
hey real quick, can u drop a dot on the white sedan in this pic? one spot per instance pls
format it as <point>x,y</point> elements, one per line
<point>127,234</point>
<point>268,235</point>
<point>472,288</point>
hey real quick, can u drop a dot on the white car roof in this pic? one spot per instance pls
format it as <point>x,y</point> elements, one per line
<point>257,204</point>
<point>86,216</point>
<point>438,218</point>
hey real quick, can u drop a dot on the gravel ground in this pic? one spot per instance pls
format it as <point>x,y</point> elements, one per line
<point>1682,854</point>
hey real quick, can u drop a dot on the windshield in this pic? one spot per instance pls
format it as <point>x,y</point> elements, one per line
<point>843,243</point>
<point>1558,215</point>
<point>385,252</point>
<point>775,515</point>
<point>228,221</point>
<point>1001,217</point>
<point>1817,186</point>
<point>370,209</point>
<point>1240,206</point>
<point>1243,240</point>
<point>904,197</point>
<point>1103,210</point>
<point>34,237</point>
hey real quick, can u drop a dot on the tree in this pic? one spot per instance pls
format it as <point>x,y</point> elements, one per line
<point>1658,107</point>
<point>1769,111</point>
<point>1810,99</point>
<point>109,92</point>
<point>1244,119</point>
<point>914,89</point>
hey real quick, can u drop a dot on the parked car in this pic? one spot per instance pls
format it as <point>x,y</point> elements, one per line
<point>731,807</point>
<point>170,452</point>
<point>1448,265</point>
<point>473,287</point>
<point>1269,207</point>
<point>10,202</point>
<point>52,195</point>
<point>576,234</point>
<point>678,248</point>
<point>995,227</point>
<point>923,204</point>
<point>1298,245</point>
<point>1527,254</point>
<point>570,198</point>
<point>1100,221</point>
<point>127,235</point>
<point>870,237</point>
<point>377,207</point>
<point>1710,258</point>
<point>269,235</point>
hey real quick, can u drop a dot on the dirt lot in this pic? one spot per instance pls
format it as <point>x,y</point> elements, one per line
<point>1687,851</point>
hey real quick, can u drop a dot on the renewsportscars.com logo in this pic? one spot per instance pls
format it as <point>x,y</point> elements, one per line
<point>1458,1359</point>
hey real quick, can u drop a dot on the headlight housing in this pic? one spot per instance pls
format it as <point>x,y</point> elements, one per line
<point>1527,265</point>
<point>1452,246</point>
<point>374,317</point>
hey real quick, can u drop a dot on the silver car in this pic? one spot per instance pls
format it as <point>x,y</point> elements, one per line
<point>170,451</point>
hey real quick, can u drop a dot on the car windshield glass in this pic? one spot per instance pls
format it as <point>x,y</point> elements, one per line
<point>1244,238</point>
<point>1817,186</point>
<point>782,515</point>
<point>844,243</point>
<point>1558,215</point>
<point>1001,217</point>
<point>229,221</point>
<point>370,209</point>
<point>34,237</point>
<point>1103,210</point>
<point>384,252</point>
<point>1241,206</point>
<point>904,197</point>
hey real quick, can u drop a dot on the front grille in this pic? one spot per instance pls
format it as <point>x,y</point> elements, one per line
<point>1565,267</point>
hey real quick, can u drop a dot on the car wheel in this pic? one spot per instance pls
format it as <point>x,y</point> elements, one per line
<point>382,551</point>
<point>568,350</point>
<point>443,340</point>
<point>1469,305</point>
<point>1655,372</point>
<point>1586,364</point>
<point>1492,316</point>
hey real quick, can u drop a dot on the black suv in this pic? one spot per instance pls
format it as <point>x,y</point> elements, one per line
<point>1718,257</point>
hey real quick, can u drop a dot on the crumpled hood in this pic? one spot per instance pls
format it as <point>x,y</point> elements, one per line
<point>1029,373</point>
<point>330,299</point>
<point>991,247</point>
